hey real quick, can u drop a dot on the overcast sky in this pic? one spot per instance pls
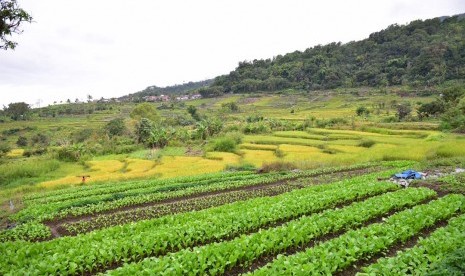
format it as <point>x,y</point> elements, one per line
<point>109,48</point>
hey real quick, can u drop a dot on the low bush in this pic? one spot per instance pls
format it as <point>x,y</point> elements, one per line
<point>223,144</point>
<point>277,166</point>
<point>331,122</point>
<point>240,167</point>
<point>37,151</point>
<point>279,153</point>
<point>256,128</point>
<point>366,143</point>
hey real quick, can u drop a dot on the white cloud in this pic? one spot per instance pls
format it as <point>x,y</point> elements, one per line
<point>112,47</point>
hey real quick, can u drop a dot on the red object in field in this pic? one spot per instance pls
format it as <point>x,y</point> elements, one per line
<point>84,177</point>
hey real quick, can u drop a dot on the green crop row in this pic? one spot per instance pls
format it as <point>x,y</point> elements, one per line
<point>137,187</point>
<point>339,253</point>
<point>111,188</point>
<point>216,258</point>
<point>43,212</point>
<point>452,265</point>
<point>122,186</point>
<point>193,204</point>
<point>135,241</point>
<point>84,205</point>
<point>423,257</point>
<point>32,231</point>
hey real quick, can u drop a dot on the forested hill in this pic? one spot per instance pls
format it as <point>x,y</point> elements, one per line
<point>422,53</point>
<point>169,90</point>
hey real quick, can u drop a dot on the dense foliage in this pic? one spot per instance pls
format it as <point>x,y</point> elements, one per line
<point>11,18</point>
<point>422,53</point>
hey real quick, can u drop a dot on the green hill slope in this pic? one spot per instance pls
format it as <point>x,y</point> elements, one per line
<point>422,53</point>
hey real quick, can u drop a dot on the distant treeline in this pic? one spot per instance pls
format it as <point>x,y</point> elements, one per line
<point>169,90</point>
<point>422,53</point>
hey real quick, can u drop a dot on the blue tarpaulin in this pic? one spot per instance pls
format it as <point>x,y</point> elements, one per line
<point>409,174</point>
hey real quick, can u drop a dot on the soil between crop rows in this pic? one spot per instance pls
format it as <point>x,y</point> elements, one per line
<point>262,261</point>
<point>57,229</point>
<point>115,265</point>
<point>392,251</point>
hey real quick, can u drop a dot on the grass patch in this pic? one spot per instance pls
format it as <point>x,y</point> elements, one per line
<point>258,147</point>
<point>26,169</point>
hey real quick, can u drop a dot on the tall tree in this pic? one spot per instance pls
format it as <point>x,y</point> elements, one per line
<point>11,17</point>
<point>145,110</point>
<point>18,111</point>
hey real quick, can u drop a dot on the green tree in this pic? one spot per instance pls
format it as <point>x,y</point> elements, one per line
<point>11,18</point>
<point>159,137</point>
<point>144,130</point>
<point>452,95</point>
<point>207,128</point>
<point>232,107</point>
<point>431,109</point>
<point>454,117</point>
<point>115,127</point>
<point>71,153</point>
<point>145,110</point>
<point>18,111</point>
<point>403,110</point>
<point>193,112</point>
<point>362,111</point>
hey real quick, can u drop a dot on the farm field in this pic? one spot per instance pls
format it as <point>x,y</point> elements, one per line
<point>286,201</point>
<point>234,223</point>
<point>271,145</point>
<point>312,148</point>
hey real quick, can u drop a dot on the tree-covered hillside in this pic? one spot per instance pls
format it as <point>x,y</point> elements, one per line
<point>169,90</point>
<point>422,53</point>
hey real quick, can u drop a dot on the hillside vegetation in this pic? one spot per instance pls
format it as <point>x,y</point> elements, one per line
<point>422,53</point>
<point>169,90</point>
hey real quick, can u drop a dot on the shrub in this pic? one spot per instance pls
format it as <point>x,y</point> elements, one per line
<point>389,119</point>
<point>254,118</point>
<point>240,167</point>
<point>231,107</point>
<point>235,135</point>
<point>366,143</point>
<point>82,135</point>
<point>4,149</point>
<point>362,111</point>
<point>331,122</point>
<point>37,151</point>
<point>41,140</point>
<point>279,153</point>
<point>71,153</point>
<point>22,141</point>
<point>224,144</point>
<point>115,127</point>
<point>256,128</point>
<point>277,166</point>
<point>329,151</point>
